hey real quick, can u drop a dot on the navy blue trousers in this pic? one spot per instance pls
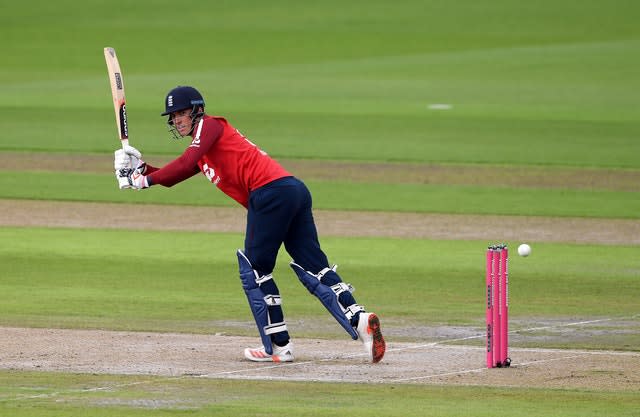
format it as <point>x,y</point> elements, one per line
<point>280,213</point>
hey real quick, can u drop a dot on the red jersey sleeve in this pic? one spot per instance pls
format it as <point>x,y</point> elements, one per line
<point>186,165</point>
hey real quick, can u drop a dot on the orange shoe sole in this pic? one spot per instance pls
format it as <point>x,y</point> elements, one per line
<point>379,346</point>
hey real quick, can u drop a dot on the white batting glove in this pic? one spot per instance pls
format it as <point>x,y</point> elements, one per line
<point>121,160</point>
<point>131,178</point>
<point>129,158</point>
<point>138,181</point>
<point>123,180</point>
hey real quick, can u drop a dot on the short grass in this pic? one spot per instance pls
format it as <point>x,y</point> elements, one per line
<point>541,84</point>
<point>188,282</point>
<point>343,195</point>
<point>66,395</point>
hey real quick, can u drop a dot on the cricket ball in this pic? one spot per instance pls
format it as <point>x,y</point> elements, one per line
<point>524,250</point>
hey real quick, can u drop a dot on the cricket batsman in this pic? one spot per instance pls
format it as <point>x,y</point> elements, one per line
<point>278,211</point>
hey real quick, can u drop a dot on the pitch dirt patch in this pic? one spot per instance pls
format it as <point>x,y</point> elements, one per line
<point>394,173</point>
<point>35,213</point>
<point>216,356</point>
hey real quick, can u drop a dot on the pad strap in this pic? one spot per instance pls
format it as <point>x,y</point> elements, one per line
<point>262,279</point>
<point>341,287</point>
<point>275,328</point>
<point>272,300</point>
<point>352,310</point>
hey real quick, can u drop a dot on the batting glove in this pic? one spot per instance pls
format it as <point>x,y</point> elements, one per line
<point>123,180</point>
<point>131,178</point>
<point>129,158</point>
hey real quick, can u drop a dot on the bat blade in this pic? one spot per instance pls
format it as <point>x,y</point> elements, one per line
<point>117,92</point>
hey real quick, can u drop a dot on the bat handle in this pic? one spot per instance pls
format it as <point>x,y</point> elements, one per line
<point>125,143</point>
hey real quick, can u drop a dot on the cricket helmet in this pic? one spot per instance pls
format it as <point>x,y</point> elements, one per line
<point>181,98</point>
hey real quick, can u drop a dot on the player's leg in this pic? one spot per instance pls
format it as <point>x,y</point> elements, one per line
<point>312,268</point>
<point>302,243</point>
<point>268,219</point>
<point>264,301</point>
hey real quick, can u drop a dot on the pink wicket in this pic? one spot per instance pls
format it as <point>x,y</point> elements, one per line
<point>497,314</point>
<point>489,296</point>
<point>495,283</point>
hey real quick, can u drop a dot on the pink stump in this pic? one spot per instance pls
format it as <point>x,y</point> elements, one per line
<point>504,307</point>
<point>495,301</point>
<point>489,314</point>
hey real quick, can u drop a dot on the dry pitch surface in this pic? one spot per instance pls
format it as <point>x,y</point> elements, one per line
<point>218,356</point>
<point>448,355</point>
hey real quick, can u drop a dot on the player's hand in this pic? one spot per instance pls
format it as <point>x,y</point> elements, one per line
<point>138,181</point>
<point>122,175</point>
<point>131,178</point>
<point>129,158</point>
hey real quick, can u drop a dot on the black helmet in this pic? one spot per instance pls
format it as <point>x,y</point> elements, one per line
<point>181,98</point>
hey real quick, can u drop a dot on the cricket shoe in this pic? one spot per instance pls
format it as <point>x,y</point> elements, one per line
<point>280,354</point>
<point>369,332</point>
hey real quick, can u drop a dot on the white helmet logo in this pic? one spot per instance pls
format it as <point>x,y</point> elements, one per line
<point>170,101</point>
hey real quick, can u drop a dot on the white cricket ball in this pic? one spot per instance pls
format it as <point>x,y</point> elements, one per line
<point>524,250</point>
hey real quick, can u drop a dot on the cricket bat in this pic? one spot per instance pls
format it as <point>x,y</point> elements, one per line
<point>117,92</point>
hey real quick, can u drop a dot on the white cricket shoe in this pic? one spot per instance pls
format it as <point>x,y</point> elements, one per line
<point>280,354</point>
<point>369,332</point>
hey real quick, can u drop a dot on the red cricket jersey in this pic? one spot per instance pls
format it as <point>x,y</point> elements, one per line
<point>227,158</point>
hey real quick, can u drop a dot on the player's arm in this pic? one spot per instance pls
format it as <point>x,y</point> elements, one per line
<point>139,175</point>
<point>178,170</point>
<point>186,165</point>
<point>133,172</point>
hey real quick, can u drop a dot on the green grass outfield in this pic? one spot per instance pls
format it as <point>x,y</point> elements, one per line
<point>41,395</point>
<point>545,84</point>
<point>341,195</point>
<point>180,281</point>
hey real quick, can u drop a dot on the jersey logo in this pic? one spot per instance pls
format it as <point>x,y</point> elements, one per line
<point>210,173</point>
